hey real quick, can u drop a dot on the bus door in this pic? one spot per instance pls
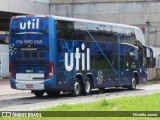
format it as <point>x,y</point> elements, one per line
<point>120,55</point>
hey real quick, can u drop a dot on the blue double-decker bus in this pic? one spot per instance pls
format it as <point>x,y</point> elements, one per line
<point>53,54</point>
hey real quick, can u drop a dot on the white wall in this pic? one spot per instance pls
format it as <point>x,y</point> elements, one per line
<point>4,65</point>
<point>4,49</point>
<point>156,54</point>
<point>24,6</point>
<point>4,60</point>
<point>41,1</point>
<point>134,12</point>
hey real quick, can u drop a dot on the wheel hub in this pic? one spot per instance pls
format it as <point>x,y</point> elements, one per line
<point>76,87</point>
<point>87,86</point>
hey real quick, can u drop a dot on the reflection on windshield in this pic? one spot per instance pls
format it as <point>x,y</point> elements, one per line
<point>140,36</point>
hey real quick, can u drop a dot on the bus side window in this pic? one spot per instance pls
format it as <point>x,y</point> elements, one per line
<point>128,62</point>
<point>129,36</point>
<point>65,30</point>
<point>101,33</point>
<point>81,32</point>
<point>94,30</point>
<point>99,62</point>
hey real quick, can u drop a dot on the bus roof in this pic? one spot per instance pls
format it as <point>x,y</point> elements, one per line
<point>82,20</point>
<point>92,21</point>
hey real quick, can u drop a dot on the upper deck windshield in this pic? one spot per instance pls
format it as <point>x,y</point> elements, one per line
<point>139,36</point>
<point>29,32</point>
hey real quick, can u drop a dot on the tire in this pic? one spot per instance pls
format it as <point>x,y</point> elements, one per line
<point>53,93</point>
<point>38,93</point>
<point>76,87</point>
<point>101,90</point>
<point>133,84</point>
<point>87,86</point>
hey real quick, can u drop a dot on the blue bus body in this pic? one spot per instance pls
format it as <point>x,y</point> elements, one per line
<point>47,54</point>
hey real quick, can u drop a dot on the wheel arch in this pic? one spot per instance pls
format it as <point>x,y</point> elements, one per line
<point>91,78</point>
<point>80,77</point>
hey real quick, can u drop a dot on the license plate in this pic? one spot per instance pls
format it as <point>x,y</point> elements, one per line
<point>29,86</point>
<point>29,71</point>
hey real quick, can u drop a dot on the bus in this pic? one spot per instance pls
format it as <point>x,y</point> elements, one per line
<point>50,54</point>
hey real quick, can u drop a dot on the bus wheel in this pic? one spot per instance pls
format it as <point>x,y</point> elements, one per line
<point>86,89</point>
<point>38,93</point>
<point>76,87</point>
<point>53,93</point>
<point>101,90</point>
<point>133,85</point>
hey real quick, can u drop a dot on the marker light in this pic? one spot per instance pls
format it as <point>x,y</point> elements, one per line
<point>11,70</point>
<point>14,17</point>
<point>50,70</point>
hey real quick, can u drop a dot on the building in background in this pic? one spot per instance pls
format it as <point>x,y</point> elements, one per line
<point>4,56</point>
<point>9,8</point>
<point>142,13</point>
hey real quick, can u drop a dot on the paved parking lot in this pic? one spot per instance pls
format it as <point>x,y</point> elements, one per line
<point>5,88</point>
<point>18,100</point>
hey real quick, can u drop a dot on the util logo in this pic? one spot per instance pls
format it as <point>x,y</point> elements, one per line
<point>30,24</point>
<point>78,56</point>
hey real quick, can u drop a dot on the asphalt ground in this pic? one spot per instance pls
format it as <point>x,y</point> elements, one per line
<point>21,100</point>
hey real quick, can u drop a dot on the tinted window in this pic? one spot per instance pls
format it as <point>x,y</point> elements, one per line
<point>69,30</point>
<point>98,62</point>
<point>126,35</point>
<point>102,33</point>
<point>65,30</point>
